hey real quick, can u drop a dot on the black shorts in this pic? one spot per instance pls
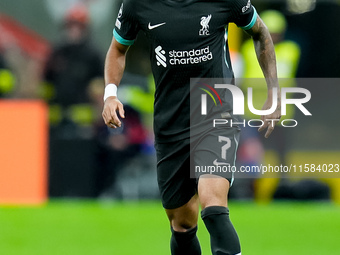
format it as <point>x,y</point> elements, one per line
<point>181,163</point>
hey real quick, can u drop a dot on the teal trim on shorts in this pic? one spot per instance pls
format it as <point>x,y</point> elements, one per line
<point>121,40</point>
<point>252,22</point>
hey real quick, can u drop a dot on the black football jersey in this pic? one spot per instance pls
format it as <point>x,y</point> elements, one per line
<point>188,39</point>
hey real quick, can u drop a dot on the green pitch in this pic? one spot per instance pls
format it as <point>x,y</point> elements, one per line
<point>82,227</point>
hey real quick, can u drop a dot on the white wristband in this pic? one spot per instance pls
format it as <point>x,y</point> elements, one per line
<point>110,91</point>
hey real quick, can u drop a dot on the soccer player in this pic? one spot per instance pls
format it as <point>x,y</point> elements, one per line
<point>188,39</point>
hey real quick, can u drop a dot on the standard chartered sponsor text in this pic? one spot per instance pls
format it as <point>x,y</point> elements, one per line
<point>190,57</point>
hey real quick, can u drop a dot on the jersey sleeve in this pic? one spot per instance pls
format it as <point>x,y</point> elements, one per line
<point>126,26</point>
<point>244,14</point>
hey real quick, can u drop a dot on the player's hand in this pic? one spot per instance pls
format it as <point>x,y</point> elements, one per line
<point>272,119</point>
<point>111,106</point>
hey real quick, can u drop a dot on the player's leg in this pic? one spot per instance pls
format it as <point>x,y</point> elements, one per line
<point>216,149</point>
<point>185,217</point>
<point>178,193</point>
<point>213,193</point>
<point>183,221</point>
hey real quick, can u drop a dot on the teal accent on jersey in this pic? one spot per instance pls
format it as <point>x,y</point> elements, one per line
<point>252,22</point>
<point>121,40</point>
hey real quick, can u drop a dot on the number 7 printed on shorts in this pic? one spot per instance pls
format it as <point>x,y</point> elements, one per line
<point>224,147</point>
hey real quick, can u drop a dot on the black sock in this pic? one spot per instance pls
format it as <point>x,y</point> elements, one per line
<point>223,237</point>
<point>185,243</point>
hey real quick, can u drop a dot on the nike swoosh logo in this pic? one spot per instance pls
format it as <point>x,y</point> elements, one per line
<point>220,163</point>
<point>155,26</point>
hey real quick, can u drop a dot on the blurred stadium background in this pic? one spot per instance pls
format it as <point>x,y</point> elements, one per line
<point>69,186</point>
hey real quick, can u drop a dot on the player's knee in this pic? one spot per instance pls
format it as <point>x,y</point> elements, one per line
<point>182,222</point>
<point>185,217</point>
<point>212,199</point>
<point>183,226</point>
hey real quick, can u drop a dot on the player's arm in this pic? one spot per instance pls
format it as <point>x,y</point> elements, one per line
<point>265,52</point>
<point>114,69</point>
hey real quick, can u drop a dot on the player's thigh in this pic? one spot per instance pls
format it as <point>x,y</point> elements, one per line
<point>173,173</point>
<point>213,191</point>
